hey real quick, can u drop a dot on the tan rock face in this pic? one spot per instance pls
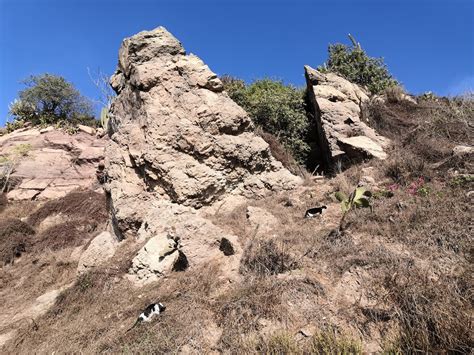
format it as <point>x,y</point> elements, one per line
<point>101,248</point>
<point>49,163</point>
<point>336,110</point>
<point>175,135</point>
<point>261,220</point>
<point>179,238</point>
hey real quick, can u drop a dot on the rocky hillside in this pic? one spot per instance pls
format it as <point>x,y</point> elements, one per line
<point>192,209</point>
<point>48,163</point>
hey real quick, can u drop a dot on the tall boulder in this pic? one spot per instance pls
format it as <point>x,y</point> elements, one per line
<point>177,136</point>
<point>336,109</point>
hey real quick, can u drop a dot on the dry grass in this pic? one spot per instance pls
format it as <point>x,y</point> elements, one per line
<point>398,277</point>
<point>94,314</point>
<point>3,202</point>
<point>18,209</point>
<point>280,153</point>
<point>84,211</point>
<point>427,131</point>
<point>80,204</point>
<point>241,310</point>
<point>15,239</point>
<point>328,341</point>
<point>63,235</point>
<point>433,314</point>
<point>266,257</point>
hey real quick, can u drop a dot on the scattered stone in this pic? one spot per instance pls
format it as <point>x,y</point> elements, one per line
<point>46,130</point>
<point>172,232</point>
<point>54,192</point>
<point>5,337</point>
<point>18,195</point>
<point>51,221</point>
<point>156,258</point>
<point>262,220</point>
<point>86,129</point>
<point>363,144</point>
<point>462,150</point>
<point>226,247</point>
<point>408,98</point>
<point>307,331</point>
<point>101,248</point>
<point>35,184</point>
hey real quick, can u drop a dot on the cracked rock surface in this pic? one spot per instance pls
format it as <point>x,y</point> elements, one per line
<point>336,110</point>
<point>48,163</point>
<point>177,136</point>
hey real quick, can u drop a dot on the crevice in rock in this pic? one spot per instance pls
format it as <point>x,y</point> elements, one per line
<point>226,247</point>
<point>181,263</point>
<point>113,219</point>
<point>320,151</point>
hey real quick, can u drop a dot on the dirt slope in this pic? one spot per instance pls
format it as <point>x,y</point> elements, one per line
<point>394,278</point>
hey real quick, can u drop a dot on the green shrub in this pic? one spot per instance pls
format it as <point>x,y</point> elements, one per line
<point>353,63</point>
<point>276,108</point>
<point>49,99</point>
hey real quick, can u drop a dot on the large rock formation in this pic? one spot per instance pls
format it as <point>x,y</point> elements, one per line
<point>48,163</point>
<point>177,136</point>
<point>336,107</point>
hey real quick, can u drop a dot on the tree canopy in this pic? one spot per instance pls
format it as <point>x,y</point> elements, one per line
<point>48,99</point>
<point>353,63</point>
<point>276,108</point>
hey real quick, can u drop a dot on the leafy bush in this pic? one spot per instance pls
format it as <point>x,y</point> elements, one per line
<point>50,99</point>
<point>276,108</point>
<point>359,198</point>
<point>353,63</point>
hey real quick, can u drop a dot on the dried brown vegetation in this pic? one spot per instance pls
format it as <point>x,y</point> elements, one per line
<point>3,201</point>
<point>266,257</point>
<point>280,152</point>
<point>15,238</point>
<point>395,279</point>
<point>86,205</point>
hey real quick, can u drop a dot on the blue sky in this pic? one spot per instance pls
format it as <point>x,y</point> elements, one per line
<point>427,44</point>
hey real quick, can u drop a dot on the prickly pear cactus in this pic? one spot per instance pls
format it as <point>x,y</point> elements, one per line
<point>359,198</point>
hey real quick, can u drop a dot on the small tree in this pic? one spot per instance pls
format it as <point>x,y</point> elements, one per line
<point>50,99</point>
<point>355,65</point>
<point>276,108</point>
<point>106,95</point>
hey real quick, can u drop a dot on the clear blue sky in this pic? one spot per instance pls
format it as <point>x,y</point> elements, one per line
<point>427,44</point>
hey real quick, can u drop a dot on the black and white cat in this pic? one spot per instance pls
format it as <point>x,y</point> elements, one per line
<point>312,212</point>
<point>148,313</point>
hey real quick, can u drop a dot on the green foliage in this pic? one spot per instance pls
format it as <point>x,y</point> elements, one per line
<point>277,108</point>
<point>12,126</point>
<point>8,163</point>
<point>22,150</point>
<point>359,198</point>
<point>353,63</point>
<point>462,180</point>
<point>49,99</point>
